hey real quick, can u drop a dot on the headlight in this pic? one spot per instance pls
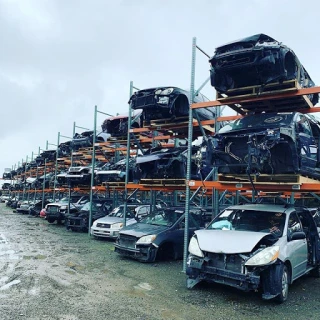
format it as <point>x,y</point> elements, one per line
<point>117,225</point>
<point>63,207</point>
<point>147,239</point>
<point>194,247</point>
<point>158,91</point>
<point>163,100</point>
<point>167,91</point>
<point>264,257</point>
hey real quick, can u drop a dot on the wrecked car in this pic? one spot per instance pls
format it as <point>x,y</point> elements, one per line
<point>256,61</point>
<point>79,220</point>
<point>117,126</point>
<point>168,102</point>
<point>271,143</point>
<point>159,236</point>
<point>167,163</point>
<point>47,155</point>
<point>56,211</point>
<point>116,172</point>
<point>256,247</point>
<point>85,139</point>
<point>81,175</point>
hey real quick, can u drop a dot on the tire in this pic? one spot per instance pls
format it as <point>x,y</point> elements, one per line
<point>284,280</point>
<point>50,220</point>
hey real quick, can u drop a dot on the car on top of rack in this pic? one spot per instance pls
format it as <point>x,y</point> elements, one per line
<point>267,143</point>
<point>256,60</point>
<point>256,247</point>
<point>117,126</point>
<point>168,102</point>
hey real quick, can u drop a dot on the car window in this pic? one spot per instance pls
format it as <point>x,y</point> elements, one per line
<point>294,224</point>
<point>249,220</point>
<point>163,217</point>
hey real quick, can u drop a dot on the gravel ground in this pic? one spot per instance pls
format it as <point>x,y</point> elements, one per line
<point>47,272</point>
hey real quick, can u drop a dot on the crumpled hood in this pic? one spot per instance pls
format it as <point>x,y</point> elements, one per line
<point>228,241</point>
<point>142,229</point>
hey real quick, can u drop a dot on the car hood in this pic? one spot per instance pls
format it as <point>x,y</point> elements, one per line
<point>111,220</point>
<point>142,229</point>
<point>228,241</point>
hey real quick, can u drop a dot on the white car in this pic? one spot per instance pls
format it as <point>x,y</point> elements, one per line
<point>110,225</point>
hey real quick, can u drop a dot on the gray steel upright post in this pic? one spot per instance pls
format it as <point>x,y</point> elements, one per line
<point>93,162</point>
<point>127,157</point>
<point>25,178</point>
<point>56,168</point>
<point>71,164</point>
<point>44,180</point>
<point>190,129</point>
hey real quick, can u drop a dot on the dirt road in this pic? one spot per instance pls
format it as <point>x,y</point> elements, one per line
<point>47,272</point>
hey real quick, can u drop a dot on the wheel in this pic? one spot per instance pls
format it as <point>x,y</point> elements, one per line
<point>284,280</point>
<point>50,220</point>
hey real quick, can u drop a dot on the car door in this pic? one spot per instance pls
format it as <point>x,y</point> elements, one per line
<point>297,250</point>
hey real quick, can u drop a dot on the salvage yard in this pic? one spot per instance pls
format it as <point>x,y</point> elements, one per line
<point>48,273</point>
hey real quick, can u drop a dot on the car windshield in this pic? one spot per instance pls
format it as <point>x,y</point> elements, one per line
<point>263,120</point>
<point>119,211</point>
<point>86,206</point>
<point>163,217</point>
<point>64,200</point>
<point>249,220</point>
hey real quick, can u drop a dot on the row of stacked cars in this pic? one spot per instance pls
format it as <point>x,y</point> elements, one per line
<point>250,247</point>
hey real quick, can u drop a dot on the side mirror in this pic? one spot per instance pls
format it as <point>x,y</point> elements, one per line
<point>299,235</point>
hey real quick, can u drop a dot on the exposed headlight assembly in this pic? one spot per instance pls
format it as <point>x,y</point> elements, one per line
<point>194,247</point>
<point>147,239</point>
<point>266,256</point>
<point>164,92</point>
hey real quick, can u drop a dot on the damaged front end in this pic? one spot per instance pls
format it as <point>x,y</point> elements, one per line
<point>167,103</point>
<point>239,269</point>
<point>270,151</point>
<point>256,60</point>
<point>166,163</point>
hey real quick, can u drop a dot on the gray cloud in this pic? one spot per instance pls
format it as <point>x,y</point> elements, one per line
<point>59,58</point>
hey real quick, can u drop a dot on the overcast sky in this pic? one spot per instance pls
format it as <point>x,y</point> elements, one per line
<point>59,58</point>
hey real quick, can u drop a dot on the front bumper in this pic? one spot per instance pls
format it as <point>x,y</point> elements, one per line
<point>146,253</point>
<point>105,232</point>
<point>76,223</point>
<point>198,270</point>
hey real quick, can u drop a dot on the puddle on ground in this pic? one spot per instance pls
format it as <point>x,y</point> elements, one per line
<point>37,257</point>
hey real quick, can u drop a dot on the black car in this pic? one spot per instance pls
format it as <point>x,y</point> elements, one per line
<point>270,143</point>
<point>36,207</point>
<point>116,172</point>
<point>117,126</point>
<point>79,220</point>
<point>85,139</point>
<point>256,60</point>
<point>167,163</point>
<point>160,235</point>
<point>167,102</point>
